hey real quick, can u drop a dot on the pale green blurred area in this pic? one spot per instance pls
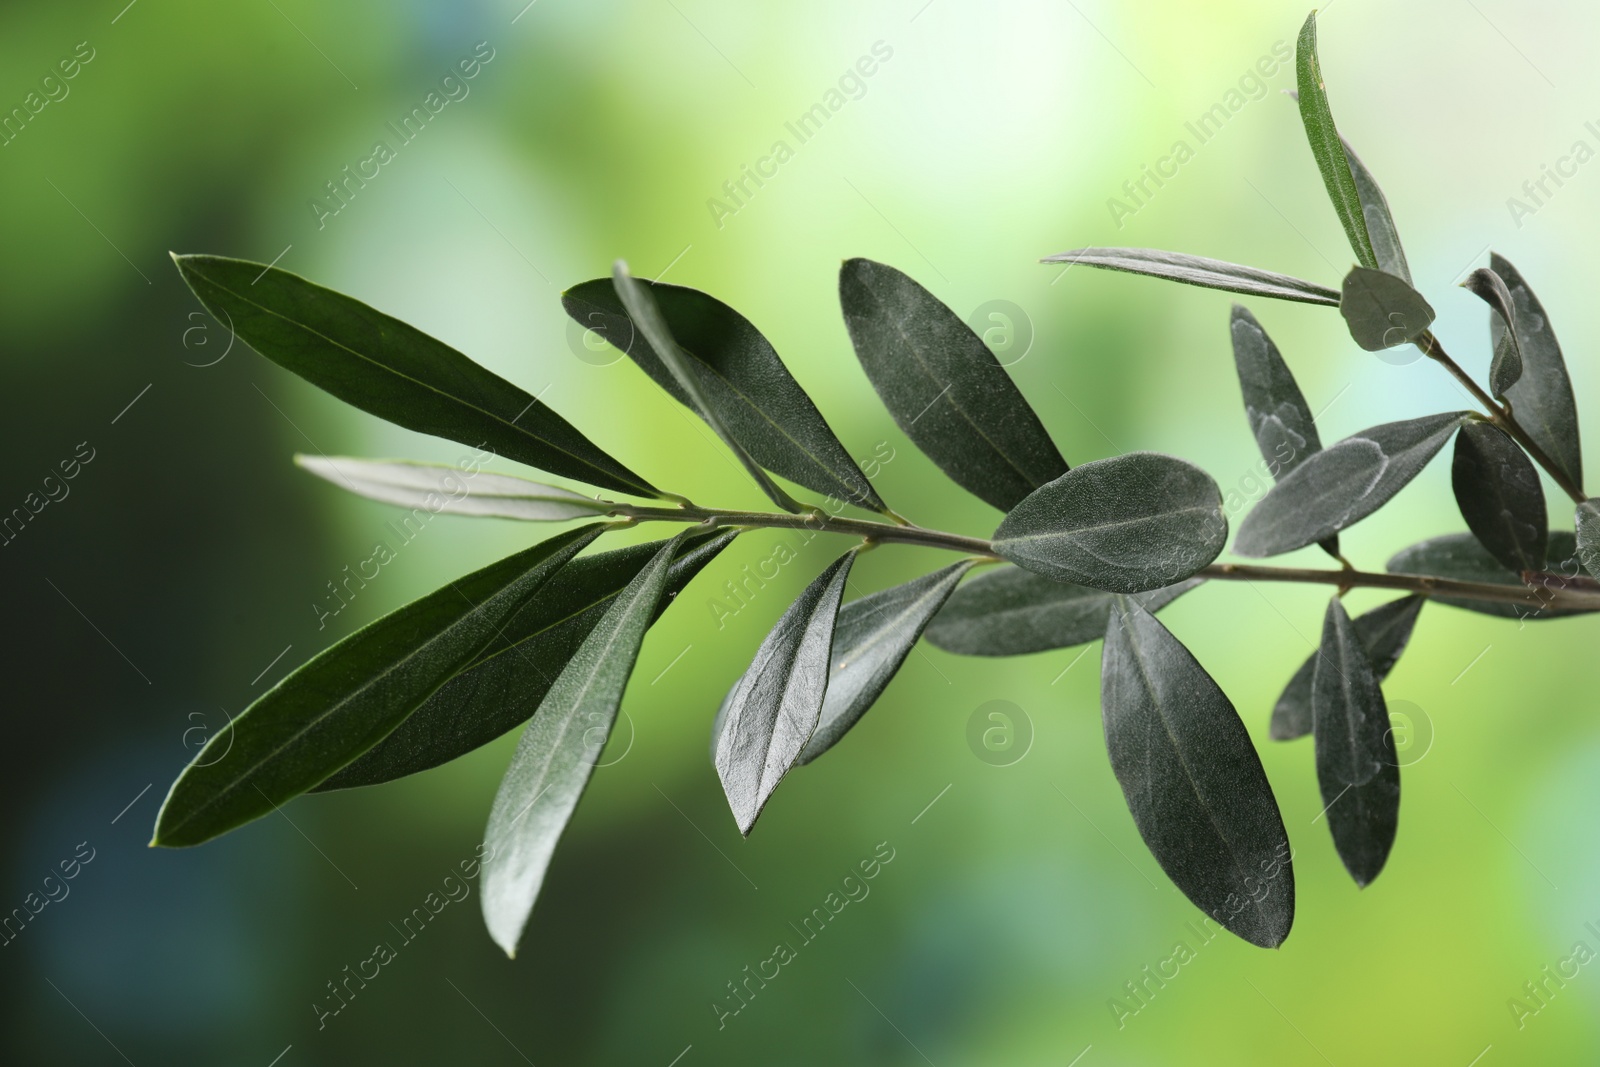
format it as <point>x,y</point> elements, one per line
<point>1020,903</point>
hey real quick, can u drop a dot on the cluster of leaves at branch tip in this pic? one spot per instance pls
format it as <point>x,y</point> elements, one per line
<point>547,638</point>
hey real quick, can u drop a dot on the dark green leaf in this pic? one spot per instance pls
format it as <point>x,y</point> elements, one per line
<point>1343,484</point>
<point>872,638</point>
<point>1384,632</point>
<point>1498,491</point>
<point>1193,781</point>
<point>1326,145</point>
<point>445,490</point>
<point>1206,273</point>
<point>740,374</point>
<point>1380,223</point>
<point>1357,768</point>
<point>346,699</point>
<point>503,686</point>
<point>1507,365</point>
<point>1126,524</point>
<point>774,709</point>
<point>640,303</point>
<point>1542,397</point>
<point>1010,611</point>
<point>944,387</point>
<point>1381,310</point>
<point>1588,520</point>
<point>1461,557</point>
<point>558,751</point>
<point>1279,416</point>
<point>387,369</point>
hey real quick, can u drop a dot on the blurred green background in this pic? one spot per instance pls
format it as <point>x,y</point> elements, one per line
<point>152,601</point>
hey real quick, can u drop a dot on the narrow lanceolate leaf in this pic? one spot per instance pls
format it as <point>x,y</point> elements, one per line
<point>1010,611</point>
<point>1507,365</point>
<point>1126,524</point>
<point>1542,397</point>
<point>501,687</point>
<point>1588,520</point>
<point>1206,273</point>
<point>558,751</point>
<point>346,699</point>
<point>740,375</point>
<point>1380,222</point>
<point>1381,310</point>
<point>1357,768</point>
<point>774,709</point>
<point>1343,484</point>
<point>944,387</point>
<point>1459,556</point>
<point>444,490</point>
<point>641,306</point>
<point>1384,632</point>
<point>1326,145</point>
<point>1193,781</point>
<point>871,639</point>
<point>1498,491</point>
<point>387,369</point>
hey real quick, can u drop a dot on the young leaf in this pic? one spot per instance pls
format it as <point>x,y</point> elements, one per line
<point>740,374</point>
<point>1010,611</point>
<point>1197,270</point>
<point>558,751</point>
<point>1498,491</point>
<point>871,639</point>
<point>1326,145</point>
<point>1343,484</point>
<point>1507,365</point>
<point>1384,632</point>
<point>944,387</point>
<point>445,490</point>
<point>1542,397</point>
<point>1126,524</point>
<point>1381,310</point>
<point>501,688</point>
<point>774,709</point>
<point>640,303</point>
<point>1461,557</point>
<point>1380,223</point>
<point>343,701</point>
<point>386,368</point>
<point>1588,521</point>
<point>1357,769</point>
<point>1192,779</point>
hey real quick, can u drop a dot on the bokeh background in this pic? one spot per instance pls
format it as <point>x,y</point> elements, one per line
<point>179,577</point>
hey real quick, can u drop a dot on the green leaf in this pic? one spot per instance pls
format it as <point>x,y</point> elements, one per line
<point>1381,310</point>
<point>387,369</point>
<point>774,709</point>
<point>1507,365</point>
<point>640,303</point>
<point>347,698</point>
<point>740,374</point>
<point>1588,521</point>
<point>1126,524</point>
<point>1326,145</point>
<point>440,489</point>
<point>501,688</point>
<point>1498,491</point>
<point>1357,768</point>
<point>557,753</point>
<point>1461,557</point>
<point>1381,230</point>
<point>1384,632</point>
<point>1542,397</point>
<point>872,638</point>
<point>944,387</point>
<point>1193,781</point>
<point>1010,611</point>
<point>1197,270</point>
<point>1343,484</point>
